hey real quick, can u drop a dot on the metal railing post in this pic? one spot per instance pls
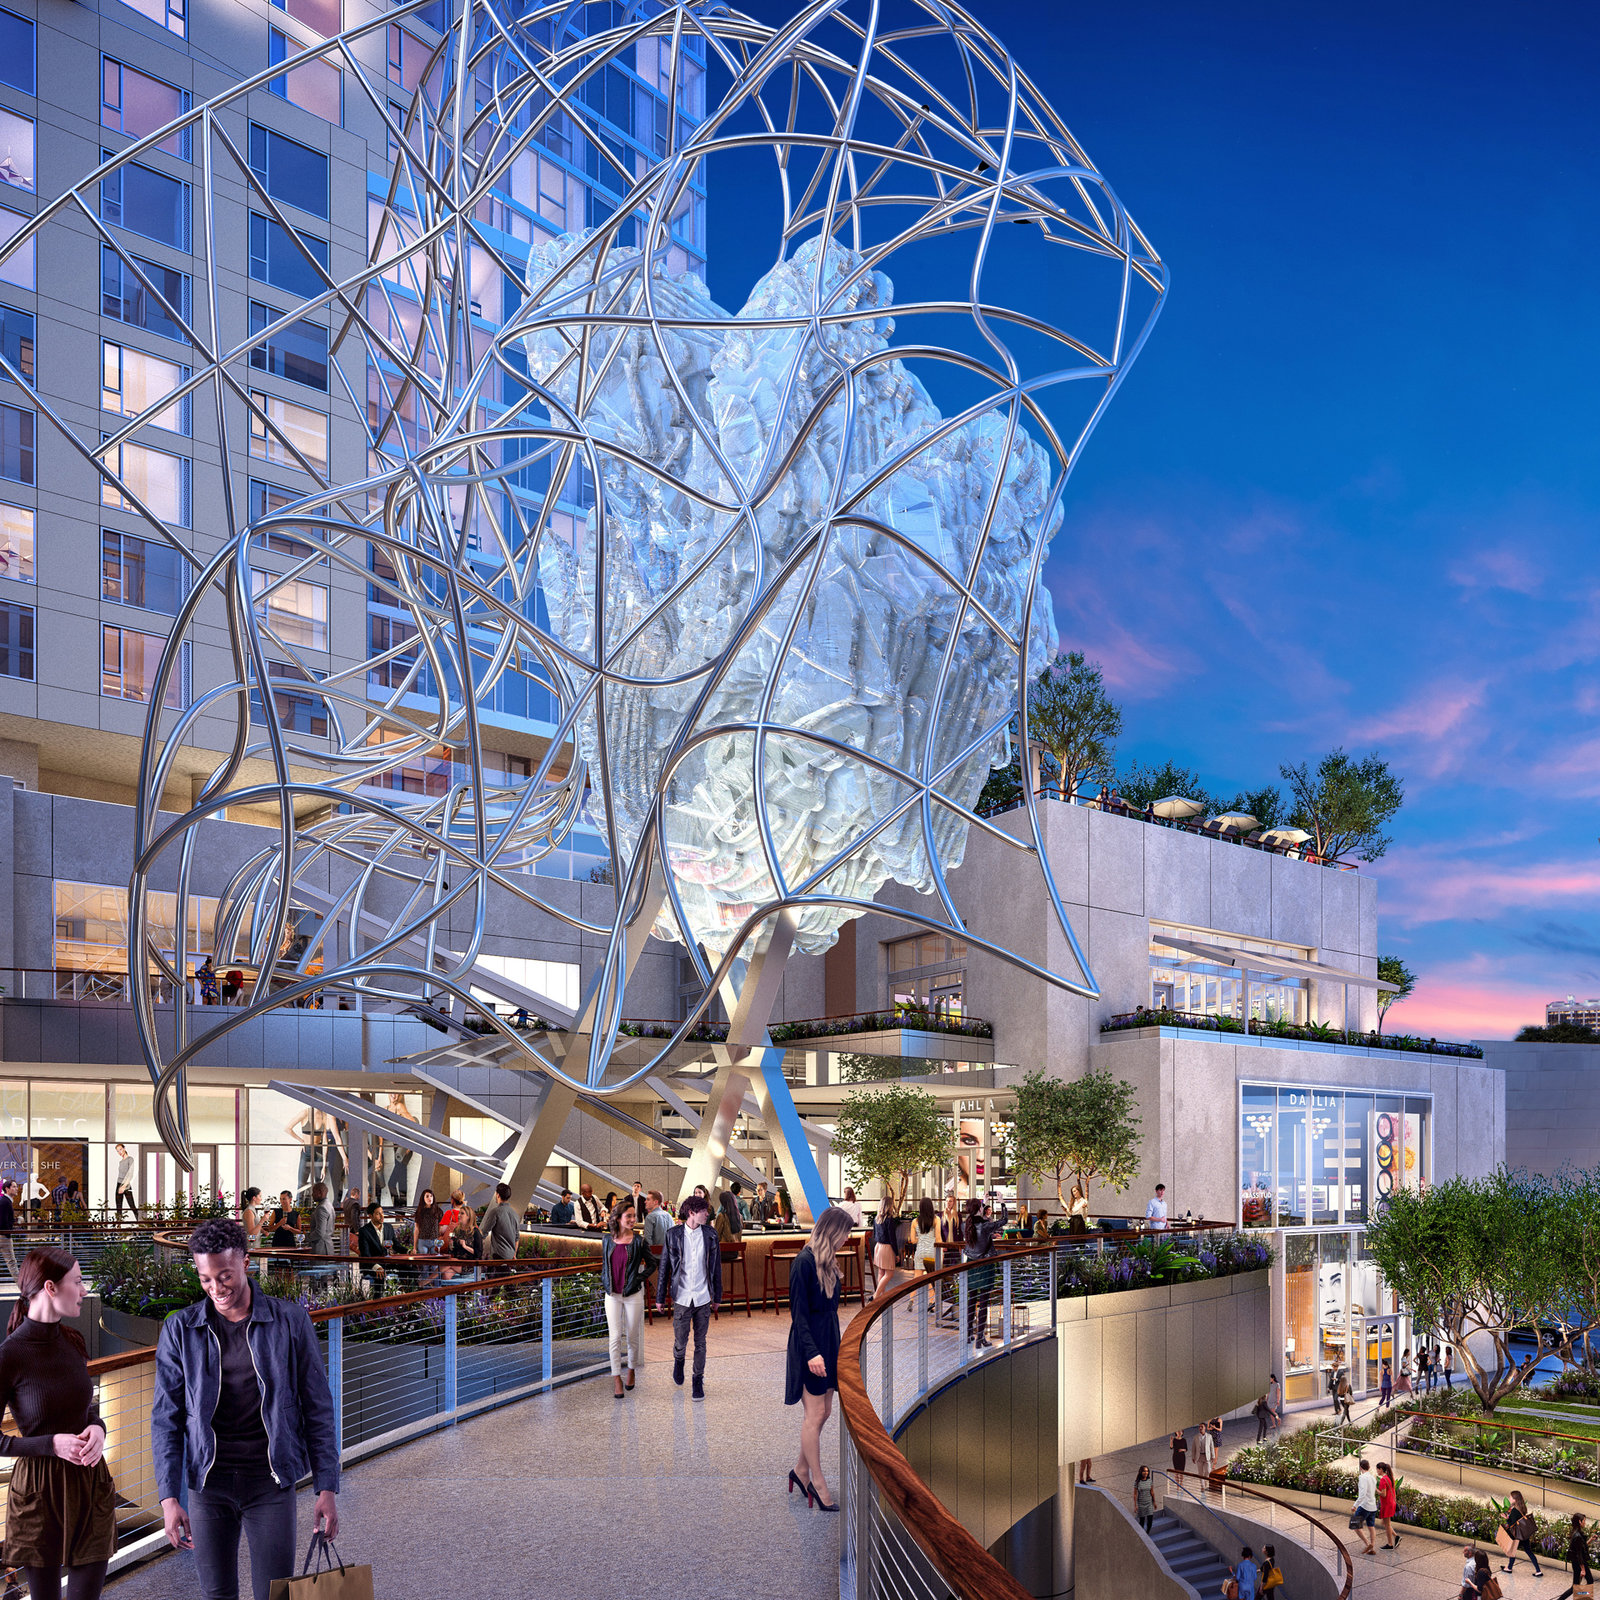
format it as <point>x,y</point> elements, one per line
<point>452,1303</point>
<point>336,1380</point>
<point>886,1322</point>
<point>927,1315</point>
<point>963,1342</point>
<point>1054,1267</point>
<point>1005,1302</point>
<point>547,1321</point>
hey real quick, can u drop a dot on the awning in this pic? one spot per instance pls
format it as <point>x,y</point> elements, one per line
<point>1227,955</point>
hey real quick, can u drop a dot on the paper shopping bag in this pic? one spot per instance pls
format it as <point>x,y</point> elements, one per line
<point>324,1577</point>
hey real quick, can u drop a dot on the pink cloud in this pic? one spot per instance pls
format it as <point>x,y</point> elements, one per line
<point>1575,772</point>
<point>1458,1006</point>
<point>1420,888</point>
<point>1439,724</point>
<point>1503,567</point>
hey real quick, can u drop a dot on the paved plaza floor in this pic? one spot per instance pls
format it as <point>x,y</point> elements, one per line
<point>577,1495</point>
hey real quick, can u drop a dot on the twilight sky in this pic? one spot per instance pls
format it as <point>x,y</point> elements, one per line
<point>1351,491</point>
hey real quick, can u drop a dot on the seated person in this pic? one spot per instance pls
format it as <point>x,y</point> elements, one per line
<point>562,1212</point>
<point>370,1241</point>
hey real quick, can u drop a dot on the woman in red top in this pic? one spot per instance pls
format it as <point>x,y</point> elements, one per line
<point>1386,1500</point>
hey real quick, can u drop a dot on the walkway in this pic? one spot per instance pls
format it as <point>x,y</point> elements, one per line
<point>579,1494</point>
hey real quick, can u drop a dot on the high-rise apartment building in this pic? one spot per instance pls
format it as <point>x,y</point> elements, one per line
<point>1578,1013</point>
<point>109,313</point>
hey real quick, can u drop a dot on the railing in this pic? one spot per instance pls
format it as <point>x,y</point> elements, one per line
<point>1572,1456</point>
<point>110,987</point>
<point>399,1367</point>
<point>85,1240</point>
<point>898,1542</point>
<point>1257,1028</point>
<point>1305,1529</point>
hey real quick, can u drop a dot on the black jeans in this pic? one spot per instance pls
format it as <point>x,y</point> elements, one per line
<point>125,1198</point>
<point>1148,1524</point>
<point>83,1583</point>
<point>683,1318</point>
<point>1527,1549</point>
<point>247,1501</point>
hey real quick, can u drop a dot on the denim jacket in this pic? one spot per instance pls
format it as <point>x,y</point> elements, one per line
<point>296,1403</point>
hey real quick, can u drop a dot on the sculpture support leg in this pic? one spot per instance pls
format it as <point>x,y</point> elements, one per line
<point>525,1166</point>
<point>807,1192</point>
<point>715,1134</point>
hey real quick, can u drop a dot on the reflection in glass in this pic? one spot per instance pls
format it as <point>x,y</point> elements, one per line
<point>1300,1378</point>
<point>1255,1155</point>
<point>1358,1146</point>
<point>1291,1158</point>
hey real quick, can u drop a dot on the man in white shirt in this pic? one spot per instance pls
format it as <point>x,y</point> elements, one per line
<point>691,1273</point>
<point>589,1212</point>
<point>1367,1506</point>
<point>1155,1214</point>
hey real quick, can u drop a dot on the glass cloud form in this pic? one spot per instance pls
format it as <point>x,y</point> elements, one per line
<point>773,574</point>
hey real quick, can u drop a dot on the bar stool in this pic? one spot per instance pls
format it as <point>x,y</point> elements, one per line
<point>780,1251</point>
<point>733,1256</point>
<point>854,1271</point>
<point>663,1291</point>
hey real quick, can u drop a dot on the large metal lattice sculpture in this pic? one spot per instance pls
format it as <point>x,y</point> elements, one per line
<point>774,574</point>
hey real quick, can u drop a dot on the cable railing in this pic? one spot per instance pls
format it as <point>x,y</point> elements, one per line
<point>399,1366</point>
<point>1305,1529</point>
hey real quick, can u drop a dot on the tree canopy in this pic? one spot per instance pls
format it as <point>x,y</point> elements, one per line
<point>1141,783</point>
<point>1391,969</point>
<point>1072,716</point>
<point>891,1134</point>
<point>1345,804</point>
<point>1481,1258</point>
<point>1083,1126</point>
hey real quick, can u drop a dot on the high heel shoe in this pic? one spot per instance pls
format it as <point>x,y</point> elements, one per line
<point>816,1500</point>
<point>795,1483</point>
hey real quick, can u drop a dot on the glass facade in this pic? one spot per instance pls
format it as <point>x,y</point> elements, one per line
<point>1181,980</point>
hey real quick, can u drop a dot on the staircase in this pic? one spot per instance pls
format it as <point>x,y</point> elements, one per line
<point>1188,1555</point>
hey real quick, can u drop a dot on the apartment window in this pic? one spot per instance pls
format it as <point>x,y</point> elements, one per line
<point>135,571</point>
<point>289,171</point>
<point>266,498</point>
<point>297,350</point>
<point>168,14</point>
<point>17,53</point>
<point>278,257</point>
<point>559,980</point>
<point>386,634</point>
<point>133,103</point>
<point>16,444</point>
<point>408,58</point>
<point>19,265</point>
<point>289,435</point>
<point>147,202</point>
<point>158,478</point>
<point>323,17</point>
<point>436,16</point>
<point>16,340</point>
<point>133,381</point>
<point>295,710</point>
<point>316,86</point>
<point>16,543</point>
<point>125,297</point>
<point>296,611</point>
<point>16,150</point>
<point>129,662</point>
<point>16,641</point>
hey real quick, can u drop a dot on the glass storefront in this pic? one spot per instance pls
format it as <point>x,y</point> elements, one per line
<point>1336,1313</point>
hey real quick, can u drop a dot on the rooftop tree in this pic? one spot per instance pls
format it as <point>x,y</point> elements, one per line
<point>1085,1127</point>
<point>1391,969</point>
<point>891,1134</point>
<point>1072,716</point>
<point>1484,1258</point>
<point>1345,804</point>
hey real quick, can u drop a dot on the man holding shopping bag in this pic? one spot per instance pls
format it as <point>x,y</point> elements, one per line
<point>242,1413</point>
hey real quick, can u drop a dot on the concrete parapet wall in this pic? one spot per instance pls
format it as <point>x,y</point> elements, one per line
<point>1113,1558</point>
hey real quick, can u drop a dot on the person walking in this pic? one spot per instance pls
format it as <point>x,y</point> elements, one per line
<point>1207,1442</point>
<point>691,1276</point>
<point>1341,1393</point>
<point>319,1231</point>
<point>1386,1505</point>
<point>1449,1366</point>
<point>1424,1370</point>
<point>9,1194</point>
<point>1479,1583</point>
<point>1275,1400</point>
<point>1522,1531</point>
<point>1271,1573</point>
<point>925,1238</point>
<point>885,1250</point>
<point>1263,1415</point>
<point>1577,1552</point>
<point>978,1246</point>
<point>1385,1386</point>
<point>812,1372</point>
<point>1245,1574</point>
<point>502,1226</point>
<point>124,1185</point>
<point>1366,1508</point>
<point>1180,1454</point>
<point>61,1504</point>
<point>242,1413</point>
<point>628,1263</point>
<point>1402,1382</point>
<point>428,1219</point>
<point>1144,1499</point>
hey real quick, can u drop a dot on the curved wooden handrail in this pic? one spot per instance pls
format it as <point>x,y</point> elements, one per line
<point>1316,1522</point>
<point>971,1572</point>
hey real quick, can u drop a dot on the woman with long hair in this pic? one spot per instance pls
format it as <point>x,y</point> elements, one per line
<point>1386,1505</point>
<point>926,1236</point>
<point>250,1217</point>
<point>1144,1499</point>
<point>851,1207</point>
<point>978,1245</point>
<point>1078,1208</point>
<point>625,1266</point>
<point>886,1249</point>
<point>429,1219</point>
<point>61,1507</point>
<point>730,1225</point>
<point>813,1366</point>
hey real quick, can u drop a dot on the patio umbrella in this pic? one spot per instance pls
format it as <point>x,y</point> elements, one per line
<point>1285,836</point>
<point>1178,806</point>
<point>1237,821</point>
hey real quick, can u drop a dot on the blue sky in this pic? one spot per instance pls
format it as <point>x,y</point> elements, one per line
<point>1351,492</point>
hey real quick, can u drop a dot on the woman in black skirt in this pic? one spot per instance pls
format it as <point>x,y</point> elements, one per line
<point>813,1370</point>
<point>60,1509</point>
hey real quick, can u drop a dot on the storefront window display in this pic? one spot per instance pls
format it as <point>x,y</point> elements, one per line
<point>1335,1315</point>
<point>1312,1157</point>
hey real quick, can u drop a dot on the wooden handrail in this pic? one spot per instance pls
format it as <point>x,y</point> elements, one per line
<point>1494,1422</point>
<point>1316,1522</point>
<point>963,1563</point>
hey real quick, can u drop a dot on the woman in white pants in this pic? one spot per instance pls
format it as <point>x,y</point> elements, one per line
<point>626,1264</point>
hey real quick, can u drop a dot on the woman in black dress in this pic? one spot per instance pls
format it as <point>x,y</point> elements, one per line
<point>813,1371</point>
<point>60,1508</point>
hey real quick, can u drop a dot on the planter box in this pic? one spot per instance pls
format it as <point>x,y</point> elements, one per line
<point>120,1332</point>
<point>1564,1495</point>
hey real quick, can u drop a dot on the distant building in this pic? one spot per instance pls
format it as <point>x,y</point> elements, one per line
<point>1583,1013</point>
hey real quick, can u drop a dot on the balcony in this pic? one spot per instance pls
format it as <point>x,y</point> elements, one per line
<point>1289,1035</point>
